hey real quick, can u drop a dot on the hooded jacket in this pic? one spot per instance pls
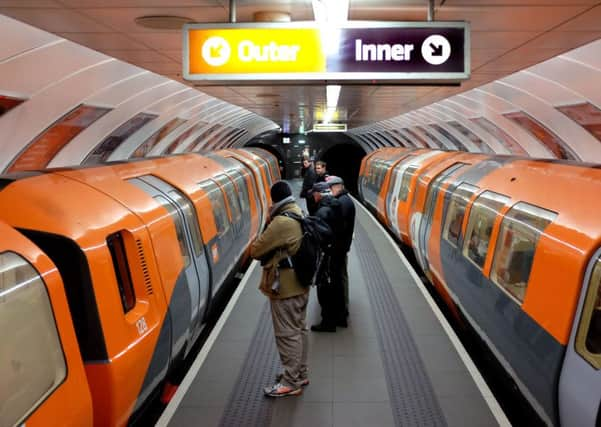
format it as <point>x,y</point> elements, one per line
<point>281,239</point>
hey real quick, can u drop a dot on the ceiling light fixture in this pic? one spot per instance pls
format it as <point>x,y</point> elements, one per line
<point>332,94</point>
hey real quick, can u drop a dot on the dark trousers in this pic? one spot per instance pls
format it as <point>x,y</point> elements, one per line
<point>330,289</point>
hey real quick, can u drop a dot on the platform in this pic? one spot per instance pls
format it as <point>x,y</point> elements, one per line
<point>398,363</point>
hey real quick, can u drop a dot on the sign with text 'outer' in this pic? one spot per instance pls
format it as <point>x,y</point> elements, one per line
<point>387,52</point>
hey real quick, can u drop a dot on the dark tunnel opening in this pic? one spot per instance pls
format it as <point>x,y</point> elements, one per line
<point>344,160</point>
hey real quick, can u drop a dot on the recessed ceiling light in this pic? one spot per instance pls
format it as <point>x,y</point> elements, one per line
<point>163,22</point>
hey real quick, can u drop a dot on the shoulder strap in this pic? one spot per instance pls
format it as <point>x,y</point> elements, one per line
<point>292,215</point>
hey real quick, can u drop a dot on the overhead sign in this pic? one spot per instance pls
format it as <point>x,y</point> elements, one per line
<point>329,127</point>
<point>301,52</point>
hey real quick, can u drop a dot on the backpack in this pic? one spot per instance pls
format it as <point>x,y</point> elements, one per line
<point>317,236</point>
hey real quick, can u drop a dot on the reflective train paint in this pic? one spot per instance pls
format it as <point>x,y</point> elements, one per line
<point>109,273</point>
<point>513,251</point>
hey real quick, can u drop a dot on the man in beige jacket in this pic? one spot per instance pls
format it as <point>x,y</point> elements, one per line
<point>274,248</point>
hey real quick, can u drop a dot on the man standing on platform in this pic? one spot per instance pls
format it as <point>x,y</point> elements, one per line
<point>329,283</point>
<point>309,177</point>
<point>348,216</point>
<point>288,298</point>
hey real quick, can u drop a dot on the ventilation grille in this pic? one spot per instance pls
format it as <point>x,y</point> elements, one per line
<point>144,266</point>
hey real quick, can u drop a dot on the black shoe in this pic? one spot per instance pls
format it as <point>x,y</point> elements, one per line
<point>342,323</point>
<point>323,328</point>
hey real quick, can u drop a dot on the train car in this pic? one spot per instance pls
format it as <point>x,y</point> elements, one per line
<point>522,265</point>
<point>374,177</point>
<point>43,378</point>
<point>261,175</point>
<point>265,156</point>
<point>143,249</point>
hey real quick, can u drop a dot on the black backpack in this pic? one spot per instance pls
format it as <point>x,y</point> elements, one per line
<point>317,237</point>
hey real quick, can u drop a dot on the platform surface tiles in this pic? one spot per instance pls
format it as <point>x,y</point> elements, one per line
<point>397,364</point>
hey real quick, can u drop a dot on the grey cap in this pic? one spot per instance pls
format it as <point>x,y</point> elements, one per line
<point>333,180</point>
<point>321,187</point>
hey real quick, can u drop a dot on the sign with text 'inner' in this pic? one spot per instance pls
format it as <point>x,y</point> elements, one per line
<point>410,52</point>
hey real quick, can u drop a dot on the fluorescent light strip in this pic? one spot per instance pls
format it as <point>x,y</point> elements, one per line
<point>332,94</point>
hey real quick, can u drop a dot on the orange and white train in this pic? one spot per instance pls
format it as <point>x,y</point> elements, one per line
<point>513,245</point>
<point>107,275</point>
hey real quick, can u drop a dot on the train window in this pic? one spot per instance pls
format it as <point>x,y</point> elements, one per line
<point>7,103</point>
<point>265,169</point>
<point>455,213</point>
<point>116,137</point>
<point>479,227</point>
<point>218,205</point>
<point>230,194</point>
<point>435,186</point>
<point>501,136</point>
<point>551,141</point>
<point>588,337</point>
<point>33,364</point>
<point>45,146</point>
<point>191,218</point>
<point>241,190</point>
<point>179,227</point>
<point>122,273</point>
<point>147,146</point>
<point>405,181</point>
<point>519,234</point>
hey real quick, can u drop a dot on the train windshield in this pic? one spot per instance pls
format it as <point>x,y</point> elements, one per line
<point>33,364</point>
<point>588,339</point>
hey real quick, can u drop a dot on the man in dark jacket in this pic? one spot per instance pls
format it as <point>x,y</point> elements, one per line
<point>280,240</point>
<point>309,178</point>
<point>348,215</point>
<point>321,172</point>
<point>329,287</point>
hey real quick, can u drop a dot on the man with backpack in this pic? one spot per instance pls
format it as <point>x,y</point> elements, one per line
<point>329,284</point>
<point>280,240</point>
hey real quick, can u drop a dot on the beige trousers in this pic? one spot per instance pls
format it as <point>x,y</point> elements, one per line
<point>291,337</point>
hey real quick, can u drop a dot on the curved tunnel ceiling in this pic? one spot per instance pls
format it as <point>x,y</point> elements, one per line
<point>64,104</point>
<point>550,110</point>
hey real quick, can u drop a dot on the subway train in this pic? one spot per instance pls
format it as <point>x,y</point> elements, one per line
<point>513,246</point>
<point>108,274</point>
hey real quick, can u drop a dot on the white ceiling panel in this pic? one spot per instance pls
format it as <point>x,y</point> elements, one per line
<point>22,73</point>
<point>31,39</point>
<point>549,91</point>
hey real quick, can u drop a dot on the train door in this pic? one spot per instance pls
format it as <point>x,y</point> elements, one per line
<point>404,172</point>
<point>196,267</point>
<point>259,190</point>
<point>421,225</point>
<point>228,188</point>
<point>221,245</point>
<point>580,380</point>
